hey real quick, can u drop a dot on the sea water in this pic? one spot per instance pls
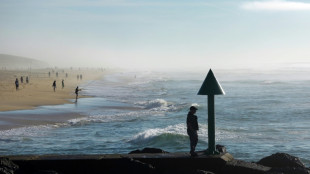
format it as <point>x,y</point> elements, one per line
<point>262,113</point>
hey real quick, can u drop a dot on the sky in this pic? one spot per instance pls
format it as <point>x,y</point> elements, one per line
<point>161,34</point>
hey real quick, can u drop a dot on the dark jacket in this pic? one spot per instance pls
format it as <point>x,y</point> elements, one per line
<point>192,123</point>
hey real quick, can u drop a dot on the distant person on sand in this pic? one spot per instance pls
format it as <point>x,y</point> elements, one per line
<point>77,93</point>
<point>49,74</point>
<point>78,77</point>
<point>54,85</point>
<point>81,76</point>
<point>27,79</point>
<point>21,79</point>
<point>63,83</point>
<point>192,128</point>
<point>16,84</point>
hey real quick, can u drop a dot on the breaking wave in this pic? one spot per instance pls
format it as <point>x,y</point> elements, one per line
<point>157,105</point>
<point>177,134</point>
<point>161,136</point>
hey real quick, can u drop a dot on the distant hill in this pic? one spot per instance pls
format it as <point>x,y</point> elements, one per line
<point>17,62</point>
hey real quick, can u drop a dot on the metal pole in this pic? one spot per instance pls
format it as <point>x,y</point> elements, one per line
<point>211,125</point>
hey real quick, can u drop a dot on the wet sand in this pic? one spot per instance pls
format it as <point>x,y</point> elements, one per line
<point>12,121</point>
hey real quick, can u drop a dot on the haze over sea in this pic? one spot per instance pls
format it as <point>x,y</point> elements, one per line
<point>263,112</point>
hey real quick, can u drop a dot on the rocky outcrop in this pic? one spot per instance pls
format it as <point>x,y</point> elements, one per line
<point>152,163</point>
<point>45,172</point>
<point>242,167</point>
<point>289,170</point>
<point>128,165</point>
<point>281,160</point>
<point>284,163</point>
<point>7,166</point>
<point>148,150</point>
<point>203,172</point>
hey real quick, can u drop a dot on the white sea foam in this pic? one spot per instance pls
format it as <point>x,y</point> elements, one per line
<point>31,131</point>
<point>148,134</point>
<point>156,105</point>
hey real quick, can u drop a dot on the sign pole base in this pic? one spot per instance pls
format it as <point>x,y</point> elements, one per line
<point>211,152</point>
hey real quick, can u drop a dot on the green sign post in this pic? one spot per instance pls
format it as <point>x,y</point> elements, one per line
<point>211,87</point>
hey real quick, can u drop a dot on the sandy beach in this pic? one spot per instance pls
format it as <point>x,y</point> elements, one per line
<point>39,92</point>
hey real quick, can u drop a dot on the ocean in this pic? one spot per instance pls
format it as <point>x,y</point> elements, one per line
<point>262,113</point>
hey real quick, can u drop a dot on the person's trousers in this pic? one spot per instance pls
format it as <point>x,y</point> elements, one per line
<point>193,137</point>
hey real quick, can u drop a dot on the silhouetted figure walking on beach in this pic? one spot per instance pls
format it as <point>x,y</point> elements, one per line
<point>16,84</point>
<point>54,85</point>
<point>49,74</point>
<point>56,74</point>
<point>27,79</point>
<point>77,93</point>
<point>63,83</point>
<point>81,76</point>
<point>192,128</point>
<point>78,77</point>
<point>21,79</point>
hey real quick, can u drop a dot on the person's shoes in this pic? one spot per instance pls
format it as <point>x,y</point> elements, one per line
<point>193,154</point>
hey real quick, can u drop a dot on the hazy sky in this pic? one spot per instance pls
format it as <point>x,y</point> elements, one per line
<point>170,34</point>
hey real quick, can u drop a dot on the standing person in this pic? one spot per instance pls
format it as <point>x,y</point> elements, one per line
<point>54,85</point>
<point>21,79</point>
<point>63,83</point>
<point>192,128</point>
<point>16,84</point>
<point>77,93</point>
<point>27,79</point>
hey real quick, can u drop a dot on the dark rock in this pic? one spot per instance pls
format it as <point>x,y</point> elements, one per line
<point>7,166</point>
<point>281,160</point>
<point>128,165</point>
<point>289,170</point>
<point>148,150</point>
<point>45,172</point>
<point>220,148</point>
<point>203,172</point>
<point>242,167</point>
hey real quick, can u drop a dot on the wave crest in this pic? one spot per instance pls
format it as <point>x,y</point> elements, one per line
<point>157,104</point>
<point>161,135</point>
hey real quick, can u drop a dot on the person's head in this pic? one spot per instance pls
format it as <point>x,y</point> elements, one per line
<point>193,109</point>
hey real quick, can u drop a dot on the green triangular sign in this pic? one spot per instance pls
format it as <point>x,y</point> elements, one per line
<point>211,86</point>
